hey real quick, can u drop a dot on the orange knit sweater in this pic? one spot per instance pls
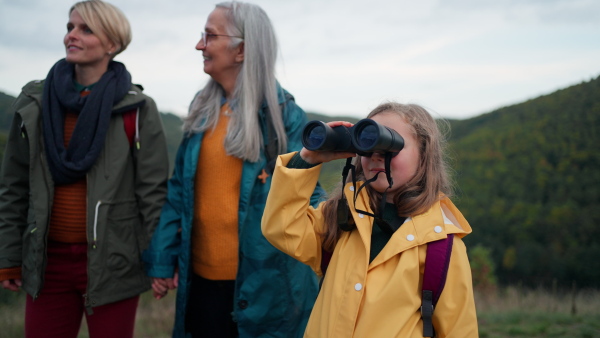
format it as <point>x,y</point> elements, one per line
<point>67,220</point>
<point>217,192</point>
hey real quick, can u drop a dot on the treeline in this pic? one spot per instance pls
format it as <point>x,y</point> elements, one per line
<point>528,179</point>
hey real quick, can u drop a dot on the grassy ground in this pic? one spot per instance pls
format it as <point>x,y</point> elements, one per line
<point>510,312</point>
<point>513,312</point>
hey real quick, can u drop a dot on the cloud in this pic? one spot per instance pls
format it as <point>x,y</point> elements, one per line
<point>460,58</point>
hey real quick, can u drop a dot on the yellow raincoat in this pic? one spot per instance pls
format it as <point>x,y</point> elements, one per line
<point>381,298</point>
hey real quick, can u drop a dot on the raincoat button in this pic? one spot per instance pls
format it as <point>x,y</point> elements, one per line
<point>351,188</point>
<point>243,304</point>
<point>358,287</point>
<point>361,215</point>
<point>410,238</point>
<point>437,229</point>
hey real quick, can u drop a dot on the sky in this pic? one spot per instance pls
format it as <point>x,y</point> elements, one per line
<point>457,58</point>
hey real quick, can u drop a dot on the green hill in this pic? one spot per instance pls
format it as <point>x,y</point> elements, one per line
<point>528,181</point>
<point>5,118</point>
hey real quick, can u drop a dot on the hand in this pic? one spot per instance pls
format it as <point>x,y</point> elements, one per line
<point>161,286</point>
<point>12,284</point>
<point>315,157</point>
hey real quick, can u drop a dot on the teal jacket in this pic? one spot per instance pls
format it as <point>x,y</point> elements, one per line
<point>274,293</point>
<point>126,189</point>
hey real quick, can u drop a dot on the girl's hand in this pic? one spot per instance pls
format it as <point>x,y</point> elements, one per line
<point>12,284</point>
<point>316,157</point>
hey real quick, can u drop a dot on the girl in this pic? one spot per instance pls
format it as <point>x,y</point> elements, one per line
<point>373,284</point>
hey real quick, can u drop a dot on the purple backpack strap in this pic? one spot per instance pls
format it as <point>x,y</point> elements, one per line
<point>434,279</point>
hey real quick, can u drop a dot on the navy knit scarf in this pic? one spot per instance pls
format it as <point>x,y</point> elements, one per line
<point>70,164</point>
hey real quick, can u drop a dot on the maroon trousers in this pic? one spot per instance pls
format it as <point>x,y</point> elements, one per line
<point>58,310</point>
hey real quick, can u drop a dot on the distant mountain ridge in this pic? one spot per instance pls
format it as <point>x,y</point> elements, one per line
<point>529,175</point>
<point>528,178</point>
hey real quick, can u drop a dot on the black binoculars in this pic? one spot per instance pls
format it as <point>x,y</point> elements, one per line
<point>364,138</point>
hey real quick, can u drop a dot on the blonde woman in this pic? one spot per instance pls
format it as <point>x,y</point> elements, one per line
<point>83,180</point>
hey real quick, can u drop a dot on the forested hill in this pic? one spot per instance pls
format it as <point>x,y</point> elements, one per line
<point>529,179</point>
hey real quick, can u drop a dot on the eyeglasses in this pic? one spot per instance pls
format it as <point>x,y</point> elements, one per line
<point>206,37</point>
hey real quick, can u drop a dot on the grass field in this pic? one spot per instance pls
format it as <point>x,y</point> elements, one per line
<point>509,312</point>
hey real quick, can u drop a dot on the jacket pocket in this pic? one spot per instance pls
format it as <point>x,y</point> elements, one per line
<point>262,298</point>
<point>122,239</point>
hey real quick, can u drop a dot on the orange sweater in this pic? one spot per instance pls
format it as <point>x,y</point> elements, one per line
<point>217,192</point>
<point>67,220</point>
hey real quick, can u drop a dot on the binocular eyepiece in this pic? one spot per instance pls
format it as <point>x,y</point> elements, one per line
<point>364,138</point>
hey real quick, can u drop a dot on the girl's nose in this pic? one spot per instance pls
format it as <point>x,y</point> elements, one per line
<point>377,157</point>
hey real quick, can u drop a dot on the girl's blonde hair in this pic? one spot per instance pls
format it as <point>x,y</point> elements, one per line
<point>430,183</point>
<point>107,20</point>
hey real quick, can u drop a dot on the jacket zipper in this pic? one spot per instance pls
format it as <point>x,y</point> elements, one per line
<point>45,260</point>
<point>86,298</point>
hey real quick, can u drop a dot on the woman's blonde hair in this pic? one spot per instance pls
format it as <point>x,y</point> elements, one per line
<point>107,20</point>
<point>431,182</point>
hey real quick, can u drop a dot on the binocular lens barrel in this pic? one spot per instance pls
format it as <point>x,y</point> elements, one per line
<point>365,137</point>
<point>370,136</point>
<point>318,136</point>
<point>315,136</point>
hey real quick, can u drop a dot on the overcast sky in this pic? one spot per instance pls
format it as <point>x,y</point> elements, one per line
<point>458,58</point>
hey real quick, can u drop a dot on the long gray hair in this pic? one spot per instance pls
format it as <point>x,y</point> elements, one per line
<point>255,83</point>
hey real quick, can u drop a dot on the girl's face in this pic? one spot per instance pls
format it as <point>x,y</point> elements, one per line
<point>403,166</point>
<point>221,62</point>
<point>83,46</point>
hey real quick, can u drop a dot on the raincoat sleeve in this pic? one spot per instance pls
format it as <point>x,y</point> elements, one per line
<point>289,222</point>
<point>161,257</point>
<point>151,167</point>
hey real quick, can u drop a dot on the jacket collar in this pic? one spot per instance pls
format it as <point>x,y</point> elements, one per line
<point>35,89</point>
<point>442,219</point>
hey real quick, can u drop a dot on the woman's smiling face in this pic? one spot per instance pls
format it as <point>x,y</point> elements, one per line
<point>403,166</point>
<point>84,47</point>
<point>221,62</point>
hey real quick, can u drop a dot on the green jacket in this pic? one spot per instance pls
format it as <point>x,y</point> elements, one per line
<point>125,192</point>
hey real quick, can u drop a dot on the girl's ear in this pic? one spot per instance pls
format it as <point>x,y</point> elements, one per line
<point>239,57</point>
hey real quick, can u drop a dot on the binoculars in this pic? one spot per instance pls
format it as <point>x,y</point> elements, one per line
<point>364,138</point>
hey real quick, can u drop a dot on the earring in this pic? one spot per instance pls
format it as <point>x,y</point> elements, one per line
<point>110,53</point>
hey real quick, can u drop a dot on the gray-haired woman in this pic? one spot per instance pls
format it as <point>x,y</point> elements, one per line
<point>209,244</point>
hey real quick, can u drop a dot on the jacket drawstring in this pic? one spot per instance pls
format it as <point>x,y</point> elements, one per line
<point>137,128</point>
<point>96,224</point>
